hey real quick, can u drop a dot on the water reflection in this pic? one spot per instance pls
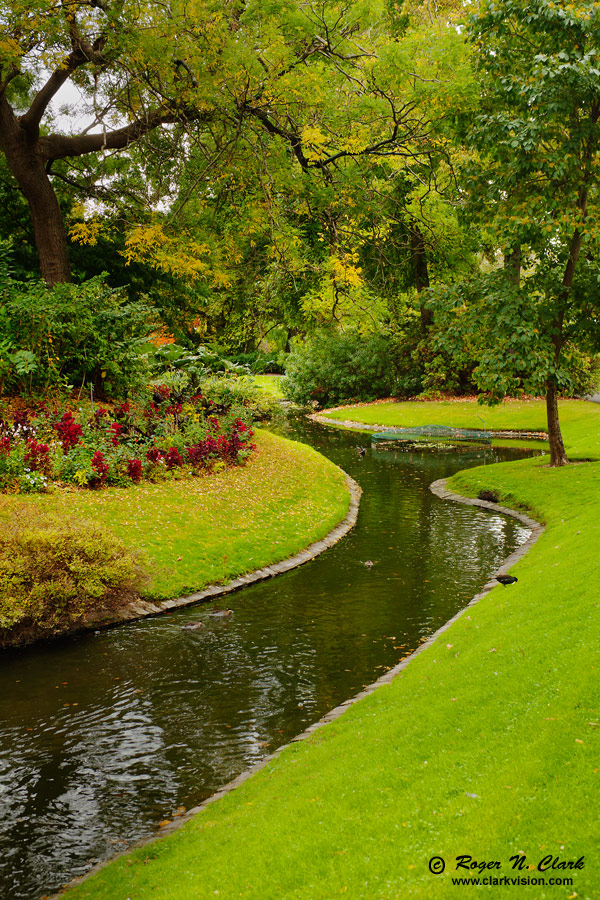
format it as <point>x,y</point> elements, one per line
<point>103,736</point>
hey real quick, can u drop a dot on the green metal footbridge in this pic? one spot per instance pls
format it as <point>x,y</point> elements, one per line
<point>432,434</point>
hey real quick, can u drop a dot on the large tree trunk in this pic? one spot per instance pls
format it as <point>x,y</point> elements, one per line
<point>49,229</point>
<point>558,456</point>
<point>419,260</point>
<point>27,164</point>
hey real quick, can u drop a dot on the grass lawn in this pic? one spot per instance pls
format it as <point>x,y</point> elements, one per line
<point>487,745</point>
<point>270,384</point>
<point>199,531</point>
<point>512,415</point>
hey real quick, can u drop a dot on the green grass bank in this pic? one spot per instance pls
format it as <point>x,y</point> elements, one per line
<point>487,745</point>
<point>198,531</point>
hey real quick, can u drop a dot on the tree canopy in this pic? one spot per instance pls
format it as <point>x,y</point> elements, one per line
<point>535,188</point>
<point>316,85</point>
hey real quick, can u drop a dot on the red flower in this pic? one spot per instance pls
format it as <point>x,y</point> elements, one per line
<point>99,415</point>
<point>173,459</point>
<point>122,410</point>
<point>4,445</point>
<point>154,454</point>
<point>100,467</point>
<point>134,469</point>
<point>69,431</point>
<point>38,457</point>
<point>117,430</point>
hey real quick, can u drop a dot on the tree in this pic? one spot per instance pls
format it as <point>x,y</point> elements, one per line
<point>535,190</point>
<point>162,82</point>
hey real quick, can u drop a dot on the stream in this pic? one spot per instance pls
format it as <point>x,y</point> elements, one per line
<point>104,735</point>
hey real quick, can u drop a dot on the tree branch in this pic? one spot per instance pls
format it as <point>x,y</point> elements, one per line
<point>13,72</point>
<point>59,146</point>
<point>83,52</point>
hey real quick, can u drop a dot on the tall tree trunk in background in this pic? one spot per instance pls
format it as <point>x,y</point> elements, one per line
<point>27,164</point>
<point>419,261</point>
<point>558,456</point>
<point>48,228</point>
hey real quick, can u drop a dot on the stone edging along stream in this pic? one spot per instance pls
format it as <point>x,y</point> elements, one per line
<point>140,608</point>
<point>351,424</point>
<point>440,490</point>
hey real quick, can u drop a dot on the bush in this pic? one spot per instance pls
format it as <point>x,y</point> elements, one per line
<point>56,575</point>
<point>259,363</point>
<point>69,335</point>
<point>222,383</point>
<point>226,393</point>
<point>331,368</point>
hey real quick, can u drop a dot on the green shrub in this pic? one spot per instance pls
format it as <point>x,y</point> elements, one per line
<point>229,392</point>
<point>332,367</point>
<point>57,574</point>
<point>222,382</point>
<point>69,335</point>
<point>259,363</point>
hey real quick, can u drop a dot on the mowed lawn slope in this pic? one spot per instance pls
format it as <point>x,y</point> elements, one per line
<point>487,745</point>
<point>198,531</point>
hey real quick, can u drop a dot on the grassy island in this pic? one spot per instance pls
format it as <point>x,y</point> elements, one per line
<point>486,746</point>
<point>196,531</point>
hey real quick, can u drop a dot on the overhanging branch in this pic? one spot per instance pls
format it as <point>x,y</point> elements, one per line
<point>58,146</point>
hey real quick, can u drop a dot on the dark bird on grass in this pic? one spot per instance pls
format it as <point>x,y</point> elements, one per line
<point>506,579</point>
<point>361,451</point>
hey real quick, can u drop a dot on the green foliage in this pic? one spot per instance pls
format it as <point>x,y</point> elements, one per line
<point>533,190</point>
<point>227,392</point>
<point>57,573</point>
<point>333,367</point>
<point>506,329</point>
<point>259,363</point>
<point>69,335</point>
<point>222,381</point>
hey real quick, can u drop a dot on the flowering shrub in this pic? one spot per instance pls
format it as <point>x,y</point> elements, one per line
<point>38,457</point>
<point>126,445</point>
<point>116,430</point>
<point>173,459</point>
<point>134,470</point>
<point>153,455</point>
<point>100,467</point>
<point>69,431</point>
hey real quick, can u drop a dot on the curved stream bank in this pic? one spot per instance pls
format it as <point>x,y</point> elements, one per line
<point>106,735</point>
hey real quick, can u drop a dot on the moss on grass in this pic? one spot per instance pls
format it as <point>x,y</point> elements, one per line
<point>487,744</point>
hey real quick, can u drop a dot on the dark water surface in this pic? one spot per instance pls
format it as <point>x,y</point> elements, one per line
<point>105,735</point>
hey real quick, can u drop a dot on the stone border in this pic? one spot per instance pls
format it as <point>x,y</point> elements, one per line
<point>140,608</point>
<point>351,424</point>
<point>440,490</point>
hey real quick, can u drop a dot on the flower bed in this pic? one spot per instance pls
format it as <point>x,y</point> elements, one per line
<point>163,436</point>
